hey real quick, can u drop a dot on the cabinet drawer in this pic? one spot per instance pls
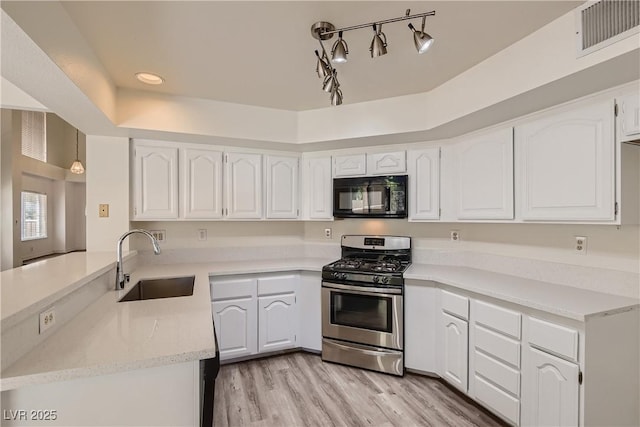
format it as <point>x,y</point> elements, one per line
<point>498,400</point>
<point>234,288</point>
<point>498,373</point>
<point>455,304</point>
<point>350,165</point>
<point>503,348</point>
<point>557,339</point>
<point>277,284</point>
<point>498,318</point>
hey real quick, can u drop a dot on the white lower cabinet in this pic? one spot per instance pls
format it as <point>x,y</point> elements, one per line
<point>255,314</point>
<point>235,316</point>
<point>455,361</point>
<point>309,294</point>
<point>554,390</point>
<point>277,313</point>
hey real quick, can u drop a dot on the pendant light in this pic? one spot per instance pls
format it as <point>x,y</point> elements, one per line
<point>77,167</point>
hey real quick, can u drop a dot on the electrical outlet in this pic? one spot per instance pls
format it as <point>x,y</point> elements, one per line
<point>327,233</point>
<point>47,319</point>
<point>202,234</point>
<point>455,235</point>
<point>160,235</point>
<point>581,244</point>
<point>103,210</point>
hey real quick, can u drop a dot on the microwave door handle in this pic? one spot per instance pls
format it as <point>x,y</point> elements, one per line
<point>367,200</point>
<point>387,199</point>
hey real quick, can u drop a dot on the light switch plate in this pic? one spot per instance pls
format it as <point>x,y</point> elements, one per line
<point>103,210</point>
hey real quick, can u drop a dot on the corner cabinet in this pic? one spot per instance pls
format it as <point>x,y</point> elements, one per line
<point>424,184</point>
<point>243,189</point>
<point>483,174</point>
<point>155,176</point>
<point>277,313</point>
<point>201,183</point>
<point>566,164</point>
<point>282,179</point>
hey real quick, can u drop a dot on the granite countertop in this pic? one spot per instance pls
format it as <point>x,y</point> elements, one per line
<point>109,337</point>
<point>566,301</point>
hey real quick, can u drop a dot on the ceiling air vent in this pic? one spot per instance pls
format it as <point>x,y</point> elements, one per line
<point>605,22</point>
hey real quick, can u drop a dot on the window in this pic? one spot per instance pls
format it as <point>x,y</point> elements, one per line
<point>34,135</point>
<point>34,216</point>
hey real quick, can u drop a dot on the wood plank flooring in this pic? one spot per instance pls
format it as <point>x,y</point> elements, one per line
<point>298,389</point>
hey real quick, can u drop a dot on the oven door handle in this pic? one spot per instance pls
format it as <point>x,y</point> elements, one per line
<point>363,290</point>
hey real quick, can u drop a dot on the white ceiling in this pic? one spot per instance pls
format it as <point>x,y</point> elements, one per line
<point>261,52</point>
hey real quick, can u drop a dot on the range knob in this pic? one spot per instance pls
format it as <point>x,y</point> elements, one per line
<point>376,279</point>
<point>343,276</point>
<point>384,279</point>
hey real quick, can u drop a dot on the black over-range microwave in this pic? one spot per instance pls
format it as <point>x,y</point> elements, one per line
<point>370,197</point>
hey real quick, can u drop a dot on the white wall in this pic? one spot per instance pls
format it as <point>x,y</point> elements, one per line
<point>107,171</point>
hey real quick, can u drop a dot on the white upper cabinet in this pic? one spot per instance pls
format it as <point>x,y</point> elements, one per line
<point>318,188</point>
<point>155,181</point>
<point>424,183</point>
<point>282,186</point>
<point>243,185</point>
<point>483,176</point>
<point>201,183</point>
<point>350,165</point>
<point>566,165</point>
<point>629,113</point>
<point>386,163</point>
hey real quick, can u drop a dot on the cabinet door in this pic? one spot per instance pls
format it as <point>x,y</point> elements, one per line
<point>484,172</point>
<point>277,322</point>
<point>201,183</point>
<point>424,183</point>
<point>455,359</point>
<point>386,163</point>
<point>350,165</point>
<point>282,186</point>
<point>243,178</point>
<point>155,182</point>
<point>629,112</point>
<point>567,165</point>
<point>235,324</point>
<point>553,391</point>
<point>318,188</point>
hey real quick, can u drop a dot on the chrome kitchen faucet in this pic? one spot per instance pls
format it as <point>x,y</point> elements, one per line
<point>120,276</point>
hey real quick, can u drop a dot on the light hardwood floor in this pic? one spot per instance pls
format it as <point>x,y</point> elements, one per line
<point>298,389</point>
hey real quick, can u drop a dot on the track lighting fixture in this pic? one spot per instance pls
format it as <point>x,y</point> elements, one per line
<point>422,40</point>
<point>323,30</point>
<point>379,43</point>
<point>339,50</point>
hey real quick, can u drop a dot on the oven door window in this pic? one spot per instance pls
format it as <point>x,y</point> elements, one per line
<point>362,311</point>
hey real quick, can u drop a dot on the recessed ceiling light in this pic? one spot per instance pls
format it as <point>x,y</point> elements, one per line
<point>150,78</point>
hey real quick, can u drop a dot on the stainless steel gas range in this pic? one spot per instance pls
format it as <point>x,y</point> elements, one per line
<point>362,303</point>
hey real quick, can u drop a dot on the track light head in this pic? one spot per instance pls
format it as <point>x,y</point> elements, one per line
<point>339,50</point>
<point>336,97</point>
<point>322,66</point>
<point>379,43</point>
<point>331,83</point>
<point>422,40</point>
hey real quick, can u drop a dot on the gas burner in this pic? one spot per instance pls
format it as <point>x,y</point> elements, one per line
<point>347,264</point>
<point>386,266</point>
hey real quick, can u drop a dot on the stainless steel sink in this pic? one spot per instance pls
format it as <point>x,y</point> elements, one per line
<point>160,288</point>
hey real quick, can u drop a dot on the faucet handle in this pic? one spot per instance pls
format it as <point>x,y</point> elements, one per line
<point>127,277</point>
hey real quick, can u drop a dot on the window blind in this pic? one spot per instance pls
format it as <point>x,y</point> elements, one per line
<point>34,216</point>
<point>34,135</point>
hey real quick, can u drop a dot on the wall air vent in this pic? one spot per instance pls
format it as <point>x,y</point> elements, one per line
<point>604,22</point>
